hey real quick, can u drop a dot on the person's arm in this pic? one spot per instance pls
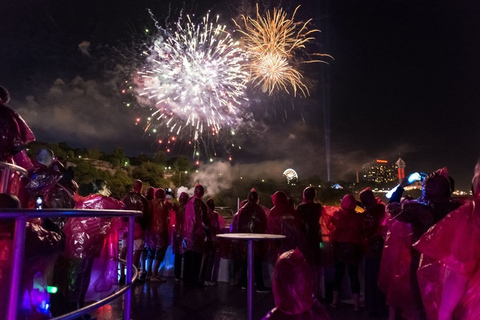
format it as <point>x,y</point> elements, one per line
<point>454,288</point>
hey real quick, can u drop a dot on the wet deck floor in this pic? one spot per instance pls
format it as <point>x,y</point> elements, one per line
<point>173,301</point>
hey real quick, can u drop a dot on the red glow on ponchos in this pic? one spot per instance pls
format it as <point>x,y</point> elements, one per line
<point>14,134</point>
<point>346,225</point>
<point>454,242</point>
<point>85,235</point>
<point>293,291</point>
<point>283,219</point>
<point>395,277</point>
<point>93,238</point>
<point>157,223</point>
<point>292,283</point>
<point>193,234</point>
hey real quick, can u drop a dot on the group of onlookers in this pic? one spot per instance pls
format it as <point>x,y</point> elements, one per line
<point>421,255</point>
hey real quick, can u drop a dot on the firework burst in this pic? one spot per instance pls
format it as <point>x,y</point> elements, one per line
<point>272,43</point>
<point>193,79</point>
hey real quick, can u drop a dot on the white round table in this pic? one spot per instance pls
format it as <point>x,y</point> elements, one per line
<point>250,237</point>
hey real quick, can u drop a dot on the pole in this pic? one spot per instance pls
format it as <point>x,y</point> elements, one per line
<point>250,278</point>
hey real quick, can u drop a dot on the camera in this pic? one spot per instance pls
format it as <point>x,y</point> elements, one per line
<point>39,202</point>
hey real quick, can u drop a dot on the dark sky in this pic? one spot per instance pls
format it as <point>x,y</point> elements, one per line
<point>405,82</point>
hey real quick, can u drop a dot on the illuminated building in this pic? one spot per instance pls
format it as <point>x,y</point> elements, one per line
<point>382,171</point>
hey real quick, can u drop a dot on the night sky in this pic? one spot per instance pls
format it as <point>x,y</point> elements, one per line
<point>405,82</point>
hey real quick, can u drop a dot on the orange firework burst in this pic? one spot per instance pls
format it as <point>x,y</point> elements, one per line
<point>272,42</point>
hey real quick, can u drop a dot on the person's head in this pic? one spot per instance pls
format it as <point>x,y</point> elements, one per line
<point>9,201</point>
<point>150,193</point>
<point>279,198</point>
<point>348,202</point>
<point>4,96</point>
<point>137,186</point>
<point>100,186</point>
<point>309,194</point>
<point>160,194</point>
<point>437,186</point>
<point>252,196</point>
<point>292,283</point>
<point>183,198</point>
<point>367,197</point>
<point>45,156</point>
<point>199,191</point>
<point>211,204</point>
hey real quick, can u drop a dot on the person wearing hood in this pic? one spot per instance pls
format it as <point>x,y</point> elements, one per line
<point>134,200</point>
<point>310,213</point>
<point>422,213</point>
<point>374,231</point>
<point>293,290</point>
<point>193,236</point>
<point>15,135</point>
<point>252,219</point>
<point>156,234</point>
<point>449,273</point>
<point>284,219</point>
<point>88,268</point>
<point>346,235</point>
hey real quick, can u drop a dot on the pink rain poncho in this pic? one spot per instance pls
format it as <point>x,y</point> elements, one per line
<point>346,234</point>
<point>136,201</point>
<point>93,239</point>
<point>394,279</point>
<point>179,218</point>
<point>193,234</point>
<point>14,136</point>
<point>452,243</point>
<point>156,235</point>
<point>283,219</point>
<point>293,291</point>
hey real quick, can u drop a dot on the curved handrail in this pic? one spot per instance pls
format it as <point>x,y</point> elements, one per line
<point>104,301</point>
<point>21,216</point>
<point>13,167</point>
<point>6,168</point>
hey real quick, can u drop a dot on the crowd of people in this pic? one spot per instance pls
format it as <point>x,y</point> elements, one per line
<point>421,256</point>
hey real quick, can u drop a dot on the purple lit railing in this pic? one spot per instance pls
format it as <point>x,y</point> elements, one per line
<point>21,216</point>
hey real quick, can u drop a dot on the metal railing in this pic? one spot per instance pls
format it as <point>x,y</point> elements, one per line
<point>22,215</point>
<point>7,169</point>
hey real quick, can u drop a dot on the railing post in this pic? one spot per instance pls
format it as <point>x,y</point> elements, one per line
<point>18,253</point>
<point>4,178</point>
<point>128,278</point>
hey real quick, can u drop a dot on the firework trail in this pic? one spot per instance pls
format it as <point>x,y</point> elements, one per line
<point>272,43</point>
<point>194,81</point>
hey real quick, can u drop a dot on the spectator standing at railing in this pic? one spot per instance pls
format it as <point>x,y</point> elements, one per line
<point>156,234</point>
<point>374,231</point>
<point>134,200</point>
<point>210,261</point>
<point>193,236</point>
<point>252,219</point>
<point>346,235</point>
<point>177,235</point>
<point>15,135</point>
<point>89,263</point>
<point>310,213</point>
<point>422,213</point>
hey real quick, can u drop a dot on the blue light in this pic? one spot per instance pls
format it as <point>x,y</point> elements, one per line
<point>390,193</point>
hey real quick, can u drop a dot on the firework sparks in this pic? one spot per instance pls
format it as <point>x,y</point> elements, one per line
<point>194,78</point>
<point>272,42</point>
